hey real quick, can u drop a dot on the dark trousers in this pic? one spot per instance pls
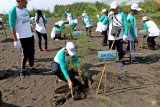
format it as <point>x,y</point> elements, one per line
<point>57,71</point>
<point>104,37</point>
<point>151,42</point>
<point>40,39</point>
<point>27,51</point>
<point>119,45</point>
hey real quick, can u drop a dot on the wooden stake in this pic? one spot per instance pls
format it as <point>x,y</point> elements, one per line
<point>104,69</point>
<point>101,78</point>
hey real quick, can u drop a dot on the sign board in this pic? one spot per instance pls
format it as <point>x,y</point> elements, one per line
<point>77,33</point>
<point>107,55</point>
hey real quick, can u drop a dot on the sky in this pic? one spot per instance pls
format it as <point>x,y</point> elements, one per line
<point>5,5</point>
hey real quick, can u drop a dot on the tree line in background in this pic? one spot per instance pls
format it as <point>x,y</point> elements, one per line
<point>150,8</point>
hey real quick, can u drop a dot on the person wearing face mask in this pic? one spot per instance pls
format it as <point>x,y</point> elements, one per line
<point>153,30</point>
<point>19,21</point>
<point>132,34</point>
<point>118,30</point>
<point>87,23</point>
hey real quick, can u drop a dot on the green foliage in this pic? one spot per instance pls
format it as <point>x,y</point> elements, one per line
<point>46,12</point>
<point>83,45</point>
<point>67,31</point>
<point>5,17</point>
<point>72,65</point>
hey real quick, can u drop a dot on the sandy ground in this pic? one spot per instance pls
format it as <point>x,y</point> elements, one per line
<point>135,85</point>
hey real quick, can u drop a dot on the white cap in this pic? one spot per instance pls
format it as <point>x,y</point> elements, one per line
<point>104,10</point>
<point>84,14</point>
<point>70,48</point>
<point>135,7</point>
<point>114,5</point>
<point>56,23</point>
<point>144,18</point>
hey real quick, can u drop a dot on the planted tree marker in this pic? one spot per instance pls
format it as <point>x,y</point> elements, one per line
<point>107,55</point>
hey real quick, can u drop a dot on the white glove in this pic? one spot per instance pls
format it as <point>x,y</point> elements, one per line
<point>17,44</point>
<point>125,37</point>
<point>110,14</point>
<point>97,15</point>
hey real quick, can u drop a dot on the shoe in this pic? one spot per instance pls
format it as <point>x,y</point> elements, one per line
<point>134,62</point>
<point>121,64</point>
<point>46,50</point>
<point>41,50</point>
<point>22,74</point>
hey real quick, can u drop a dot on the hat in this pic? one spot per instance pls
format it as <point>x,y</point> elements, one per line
<point>84,14</point>
<point>104,10</point>
<point>70,48</point>
<point>135,7</point>
<point>144,18</point>
<point>56,23</point>
<point>114,5</point>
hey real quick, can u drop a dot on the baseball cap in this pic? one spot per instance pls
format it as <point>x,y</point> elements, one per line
<point>104,10</point>
<point>144,18</point>
<point>114,5</point>
<point>135,7</point>
<point>70,48</point>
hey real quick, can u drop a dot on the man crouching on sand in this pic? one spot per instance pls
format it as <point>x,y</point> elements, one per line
<point>59,66</point>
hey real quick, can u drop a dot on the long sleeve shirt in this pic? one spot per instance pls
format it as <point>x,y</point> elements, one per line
<point>122,22</point>
<point>62,60</point>
<point>132,34</point>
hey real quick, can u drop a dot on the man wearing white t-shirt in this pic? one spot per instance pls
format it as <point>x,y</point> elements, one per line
<point>153,30</point>
<point>19,22</point>
<point>118,31</point>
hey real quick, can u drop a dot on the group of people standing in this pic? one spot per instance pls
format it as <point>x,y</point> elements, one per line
<point>116,27</point>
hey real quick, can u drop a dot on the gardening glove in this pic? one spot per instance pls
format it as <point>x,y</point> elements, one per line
<point>17,44</point>
<point>110,14</point>
<point>125,38</point>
